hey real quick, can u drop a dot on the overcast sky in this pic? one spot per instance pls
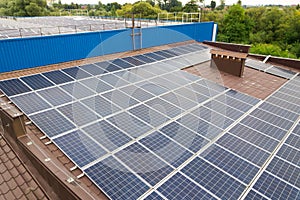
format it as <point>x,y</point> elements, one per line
<point>228,2</point>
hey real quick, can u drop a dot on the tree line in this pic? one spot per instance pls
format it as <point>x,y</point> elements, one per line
<point>271,30</point>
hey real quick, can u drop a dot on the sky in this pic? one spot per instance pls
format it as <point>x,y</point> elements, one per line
<point>207,2</point>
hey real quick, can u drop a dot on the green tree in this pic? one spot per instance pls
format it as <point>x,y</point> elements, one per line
<point>236,26</point>
<point>191,6</point>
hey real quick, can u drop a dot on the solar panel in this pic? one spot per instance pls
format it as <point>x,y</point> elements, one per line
<point>52,123</point>
<point>163,54</point>
<point>30,103</point>
<point>80,148</point>
<point>93,69</point>
<point>154,56</point>
<point>143,132</point>
<point>76,73</point>
<point>257,64</point>
<point>37,81</point>
<point>55,96</point>
<point>13,87</point>
<point>58,77</point>
<point>133,61</point>
<point>284,73</point>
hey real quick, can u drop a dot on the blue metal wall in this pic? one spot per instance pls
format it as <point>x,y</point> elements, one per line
<point>21,53</point>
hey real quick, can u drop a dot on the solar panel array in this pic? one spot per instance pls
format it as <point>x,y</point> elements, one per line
<point>139,127</point>
<point>270,69</point>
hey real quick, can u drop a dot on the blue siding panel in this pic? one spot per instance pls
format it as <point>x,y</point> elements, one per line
<point>22,53</point>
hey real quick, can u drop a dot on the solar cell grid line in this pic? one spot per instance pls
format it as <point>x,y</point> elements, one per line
<point>147,165</point>
<point>121,63</point>
<point>112,67</point>
<point>81,149</point>
<point>242,106</point>
<point>164,107</point>
<point>55,96</point>
<point>115,180</point>
<point>36,81</point>
<point>163,54</point>
<point>153,69</point>
<point>277,189</point>
<point>284,170</point>
<point>152,88</point>
<point>286,97</point>
<point>278,111</point>
<point>77,90</point>
<point>154,56</point>
<point>78,113</point>
<point>255,195</point>
<point>239,168</point>
<point>130,124</point>
<point>203,90</point>
<point>153,196</point>
<point>113,80</point>
<point>292,86</point>
<point>141,73</point>
<point>101,105</point>
<point>58,77</point>
<point>93,69</point>
<point>107,135</point>
<point>179,186</point>
<point>244,149</point>
<point>272,119</point>
<point>133,61</point>
<point>212,117</point>
<point>128,76</point>
<point>191,95</point>
<point>96,85</point>
<point>137,93</point>
<point>164,83</point>
<point>169,51</point>
<point>213,179</point>
<point>290,154</point>
<point>242,97</point>
<point>178,101</point>
<point>30,103</point>
<point>13,87</point>
<point>284,104</point>
<point>148,115</point>
<point>277,71</point>
<point>52,123</point>
<point>168,150</point>
<point>76,73</point>
<point>184,136</point>
<point>120,98</point>
<point>257,138</point>
<point>144,59</point>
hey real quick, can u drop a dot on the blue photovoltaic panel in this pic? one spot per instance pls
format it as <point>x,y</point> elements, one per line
<point>290,154</point>
<point>96,85</point>
<point>115,180</point>
<point>164,107</point>
<point>243,149</point>
<point>278,111</point>
<point>133,61</point>
<point>154,56</point>
<point>224,109</point>
<point>277,71</point>
<point>286,171</point>
<point>112,67</point>
<point>143,58</point>
<point>144,163</point>
<point>180,187</point>
<point>76,73</point>
<point>264,127</point>
<point>13,87</point>
<point>239,105</point>
<point>130,124</point>
<point>30,103</point>
<point>152,88</point>
<point>80,148</point>
<point>78,113</point>
<point>37,81</point>
<point>52,123</point>
<point>107,135</point>
<point>259,139</point>
<point>285,97</point>
<point>166,149</point>
<point>58,77</point>
<point>184,136</point>
<point>163,54</point>
<point>148,115</point>
<point>93,69</point>
<point>55,96</point>
<point>216,181</point>
<point>293,140</point>
<point>254,195</point>
<point>77,90</point>
<point>242,97</point>
<point>121,63</point>
<point>101,106</point>
<point>179,101</point>
<point>284,104</point>
<point>113,80</point>
<point>154,196</point>
<point>230,163</point>
<point>128,76</point>
<point>137,93</point>
<point>120,98</point>
<point>275,188</point>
